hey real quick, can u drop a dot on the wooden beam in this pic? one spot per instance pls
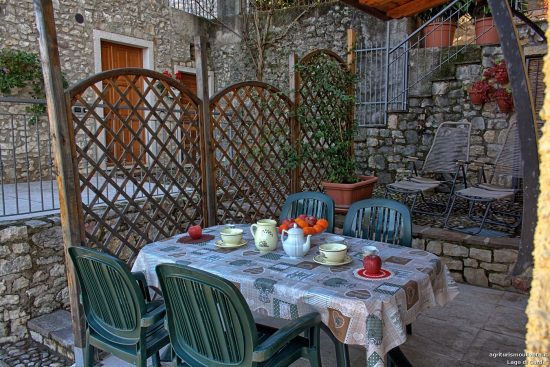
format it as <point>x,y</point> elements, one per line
<point>413,8</point>
<point>62,136</point>
<point>207,163</point>
<point>527,127</point>
<point>367,9</point>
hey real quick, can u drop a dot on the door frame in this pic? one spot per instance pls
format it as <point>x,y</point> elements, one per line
<point>148,62</point>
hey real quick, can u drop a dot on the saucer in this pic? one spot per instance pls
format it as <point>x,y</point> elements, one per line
<point>383,274</point>
<point>220,244</point>
<point>321,260</point>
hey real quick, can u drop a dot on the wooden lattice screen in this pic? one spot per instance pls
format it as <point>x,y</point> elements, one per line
<point>307,98</point>
<point>138,183</point>
<point>251,132</point>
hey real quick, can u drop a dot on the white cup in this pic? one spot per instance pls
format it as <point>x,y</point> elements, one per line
<point>333,252</point>
<point>337,239</point>
<point>370,250</point>
<point>232,236</point>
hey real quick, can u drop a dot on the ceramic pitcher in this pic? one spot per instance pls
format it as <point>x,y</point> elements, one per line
<point>265,235</point>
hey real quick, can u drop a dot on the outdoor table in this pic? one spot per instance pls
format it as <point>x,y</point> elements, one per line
<point>371,313</point>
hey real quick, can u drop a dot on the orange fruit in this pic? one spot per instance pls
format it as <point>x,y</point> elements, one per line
<point>283,226</point>
<point>309,230</point>
<point>319,228</point>
<point>301,223</point>
<point>322,222</point>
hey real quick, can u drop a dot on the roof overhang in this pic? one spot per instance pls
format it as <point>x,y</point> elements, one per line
<point>394,9</point>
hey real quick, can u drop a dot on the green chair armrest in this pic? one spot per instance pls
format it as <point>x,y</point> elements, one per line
<point>153,317</point>
<point>140,278</point>
<point>284,335</point>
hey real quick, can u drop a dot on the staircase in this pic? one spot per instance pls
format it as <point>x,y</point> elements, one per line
<point>389,72</point>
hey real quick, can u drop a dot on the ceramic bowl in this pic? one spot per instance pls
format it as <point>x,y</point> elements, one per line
<point>333,252</point>
<point>231,236</point>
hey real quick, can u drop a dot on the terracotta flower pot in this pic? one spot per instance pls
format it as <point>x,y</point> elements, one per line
<point>477,98</point>
<point>505,105</point>
<point>346,194</point>
<point>486,32</point>
<point>439,34</point>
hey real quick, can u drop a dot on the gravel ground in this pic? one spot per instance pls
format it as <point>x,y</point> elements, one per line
<point>28,353</point>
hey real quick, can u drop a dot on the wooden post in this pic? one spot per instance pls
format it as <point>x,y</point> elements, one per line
<point>62,142</point>
<point>527,128</point>
<point>294,122</point>
<point>206,131</point>
<point>352,40</point>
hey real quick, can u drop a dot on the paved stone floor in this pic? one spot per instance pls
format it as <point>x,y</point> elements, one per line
<point>479,321</point>
<point>29,354</point>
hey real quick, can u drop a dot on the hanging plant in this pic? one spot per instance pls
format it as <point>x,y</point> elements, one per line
<point>501,73</point>
<point>480,92</point>
<point>504,100</point>
<point>19,71</point>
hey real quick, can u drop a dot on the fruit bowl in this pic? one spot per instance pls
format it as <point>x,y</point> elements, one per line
<point>310,224</point>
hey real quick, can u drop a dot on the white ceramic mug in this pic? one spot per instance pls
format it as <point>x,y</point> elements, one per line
<point>231,236</point>
<point>370,250</point>
<point>336,239</point>
<point>333,252</point>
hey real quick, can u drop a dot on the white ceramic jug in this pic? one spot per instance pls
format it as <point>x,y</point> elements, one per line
<point>265,235</point>
<point>295,245</point>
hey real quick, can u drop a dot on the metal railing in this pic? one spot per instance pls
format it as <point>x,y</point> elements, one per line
<point>388,72</point>
<point>202,8</point>
<point>27,176</point>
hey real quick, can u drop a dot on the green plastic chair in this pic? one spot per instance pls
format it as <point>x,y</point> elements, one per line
<point>309,203</point>
<point>382,220</point>
<point>120,319</point>
<point>210,324</point>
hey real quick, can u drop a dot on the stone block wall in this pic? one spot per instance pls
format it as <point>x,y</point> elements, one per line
<point>32,274</point>
<point>476,260</point>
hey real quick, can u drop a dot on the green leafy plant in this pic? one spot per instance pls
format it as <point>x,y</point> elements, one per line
<point>325,114</point>
<point>21,70</point>
<point>448,15</point>
<point>480,8</point>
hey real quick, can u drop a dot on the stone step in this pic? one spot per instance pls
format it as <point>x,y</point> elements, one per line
<point>54,331</point>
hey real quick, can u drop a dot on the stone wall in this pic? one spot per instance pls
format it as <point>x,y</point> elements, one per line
<point>32,274</point>
<point>476,260</point>
<point>322,27</point>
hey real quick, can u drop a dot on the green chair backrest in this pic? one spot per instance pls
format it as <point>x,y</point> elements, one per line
<point>113,303</point>
<point>309,203</point>
<point>381,220</point>
<point>209,322</point>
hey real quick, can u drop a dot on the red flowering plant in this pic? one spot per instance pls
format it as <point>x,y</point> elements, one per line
<point>480,92</point>
<point>505,102</point>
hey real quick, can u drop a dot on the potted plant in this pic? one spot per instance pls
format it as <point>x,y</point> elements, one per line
<point>328,130</point>
<point>480,92</point>
<point>441,31</point>
<point>504,100</point>
<point>501,72</point>
<point>486,32</point>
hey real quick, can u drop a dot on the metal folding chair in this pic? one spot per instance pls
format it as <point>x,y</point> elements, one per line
<point>444,165</point>
<point>504,184</point>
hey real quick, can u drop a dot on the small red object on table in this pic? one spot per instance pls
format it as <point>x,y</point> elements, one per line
<point>362,273</point>
<point>188,240</point>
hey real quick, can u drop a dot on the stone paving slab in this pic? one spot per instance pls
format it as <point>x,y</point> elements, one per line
<point>478,322</point>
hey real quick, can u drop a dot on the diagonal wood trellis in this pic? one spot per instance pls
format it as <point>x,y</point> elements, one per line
<point>308,96</point>
<point>251,128</point>
<point>138,181</point>
<point>141,149</point>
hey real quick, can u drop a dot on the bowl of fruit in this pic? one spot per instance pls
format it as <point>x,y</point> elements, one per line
<point>308,223</point>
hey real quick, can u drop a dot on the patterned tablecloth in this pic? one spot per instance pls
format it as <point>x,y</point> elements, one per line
<point>372,313</point>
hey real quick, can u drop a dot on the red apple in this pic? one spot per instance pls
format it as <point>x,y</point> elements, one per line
<point>372,264</point>
<point>288,222</point>
<point>302,216</point>
<point>311,220</point>
<point>195,232</point>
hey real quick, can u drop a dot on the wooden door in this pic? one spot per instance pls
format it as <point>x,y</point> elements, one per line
<point>189,141</point>
<point>115,56</point>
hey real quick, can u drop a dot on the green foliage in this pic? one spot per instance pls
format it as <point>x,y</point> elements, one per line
<point>19,70</point>
<point>325,114</point>
<point>450,14</point>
